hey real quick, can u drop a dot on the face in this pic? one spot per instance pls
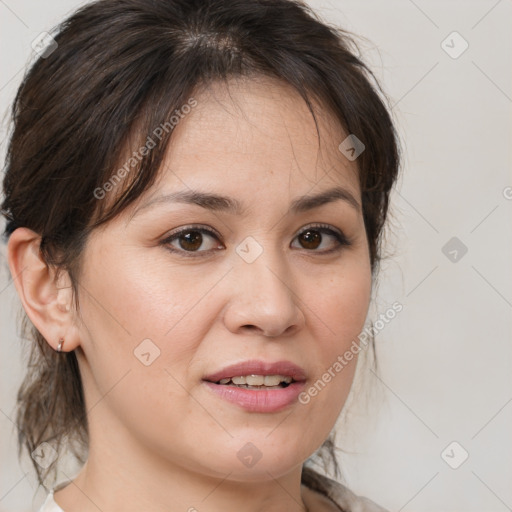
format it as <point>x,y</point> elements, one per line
<point>175,291</point>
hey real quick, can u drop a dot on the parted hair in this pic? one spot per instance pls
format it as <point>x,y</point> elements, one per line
<point>114,71</point>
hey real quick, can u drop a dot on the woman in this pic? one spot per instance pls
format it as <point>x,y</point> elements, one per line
<point>195,194</point>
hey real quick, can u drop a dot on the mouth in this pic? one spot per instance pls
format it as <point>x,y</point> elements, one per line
<point>258,386</point>
<point>258,374</point>
<point>258,381</point>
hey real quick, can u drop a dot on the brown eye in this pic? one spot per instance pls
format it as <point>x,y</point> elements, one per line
<point>310,239</point>
<point>313,237</point>
<point>192,240</point>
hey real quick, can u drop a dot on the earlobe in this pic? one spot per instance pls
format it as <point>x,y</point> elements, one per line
<point>46,300</point>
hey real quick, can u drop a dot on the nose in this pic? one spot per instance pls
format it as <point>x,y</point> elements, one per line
<point>264,300</point>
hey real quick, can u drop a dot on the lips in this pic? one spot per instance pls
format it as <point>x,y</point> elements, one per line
<point>256,367</point>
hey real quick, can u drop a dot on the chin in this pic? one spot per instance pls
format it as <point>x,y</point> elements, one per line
<point>253,458</point>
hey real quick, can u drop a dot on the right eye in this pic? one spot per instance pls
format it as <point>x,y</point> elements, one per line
<point>188,240</point>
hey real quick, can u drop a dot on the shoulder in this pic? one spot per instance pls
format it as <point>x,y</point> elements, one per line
<point>339,494</point>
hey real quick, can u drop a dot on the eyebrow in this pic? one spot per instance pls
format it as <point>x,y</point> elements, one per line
<point>218,203</point>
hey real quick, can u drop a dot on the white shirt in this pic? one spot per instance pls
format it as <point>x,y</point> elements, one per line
<point>49,504</point>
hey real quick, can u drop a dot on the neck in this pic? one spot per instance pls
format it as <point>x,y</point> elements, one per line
<point>132,479</point>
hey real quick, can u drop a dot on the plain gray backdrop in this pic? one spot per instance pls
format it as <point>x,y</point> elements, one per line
<point>434,434</point>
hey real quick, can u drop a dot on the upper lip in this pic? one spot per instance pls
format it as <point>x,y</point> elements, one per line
<point>256,367</point>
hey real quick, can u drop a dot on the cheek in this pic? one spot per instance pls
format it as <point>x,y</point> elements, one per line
<point>341,308</point>
<point>140,337</point>
<point>131,298</point>
<point>149,320</point>
<point>341,305</point>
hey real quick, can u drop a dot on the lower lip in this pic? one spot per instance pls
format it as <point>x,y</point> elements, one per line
<point>258,400</point>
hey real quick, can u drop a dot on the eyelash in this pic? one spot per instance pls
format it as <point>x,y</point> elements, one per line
<point>323,228</point>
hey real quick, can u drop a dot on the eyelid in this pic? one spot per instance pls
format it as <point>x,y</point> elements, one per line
<point>173,235</point>
<point>193,227</point>
<point>340,236</point>
<point>342,239</point>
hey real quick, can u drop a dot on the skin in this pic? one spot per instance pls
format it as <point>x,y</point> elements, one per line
<point>159,439</point>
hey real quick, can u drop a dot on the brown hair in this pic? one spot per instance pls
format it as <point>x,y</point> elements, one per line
<point>120,69</point>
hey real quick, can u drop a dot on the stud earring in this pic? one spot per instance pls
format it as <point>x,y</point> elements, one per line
<point>59,347</point>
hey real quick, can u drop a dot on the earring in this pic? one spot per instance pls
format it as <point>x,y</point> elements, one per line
<point>59,347</point>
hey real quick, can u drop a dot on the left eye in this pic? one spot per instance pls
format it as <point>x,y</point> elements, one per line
<point>190,239</point>
<point>312,237</point>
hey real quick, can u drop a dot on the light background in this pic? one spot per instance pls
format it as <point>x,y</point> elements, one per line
<point>446,360</point>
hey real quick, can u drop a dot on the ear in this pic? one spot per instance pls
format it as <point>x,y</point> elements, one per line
<point>48,303</point>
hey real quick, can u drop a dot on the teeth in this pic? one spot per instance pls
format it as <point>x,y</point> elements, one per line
<point>258,380</point>
<point>272,380</point>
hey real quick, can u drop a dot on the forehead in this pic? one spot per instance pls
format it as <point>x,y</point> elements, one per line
<point>259,128</point>
<point>256,142</point>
